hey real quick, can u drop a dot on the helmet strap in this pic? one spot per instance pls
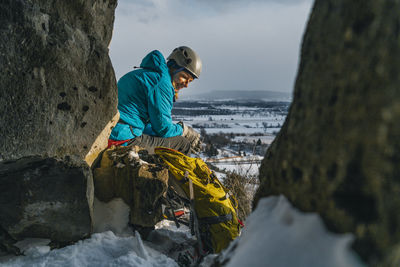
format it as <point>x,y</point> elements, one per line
<point>177,70</point>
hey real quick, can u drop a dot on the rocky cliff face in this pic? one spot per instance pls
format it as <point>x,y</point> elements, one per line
<point>57,97</point>
<point>57,84</point>
<point>45,198</point>
<point>338,152</point>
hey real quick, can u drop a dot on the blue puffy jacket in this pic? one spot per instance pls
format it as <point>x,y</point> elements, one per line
<point>145,99</point>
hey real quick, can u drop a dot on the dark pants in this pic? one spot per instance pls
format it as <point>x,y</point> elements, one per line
<point>148,142</point>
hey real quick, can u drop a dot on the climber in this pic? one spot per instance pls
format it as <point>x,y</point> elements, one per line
<point>145,100</point>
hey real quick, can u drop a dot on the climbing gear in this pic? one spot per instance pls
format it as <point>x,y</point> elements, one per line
<point>214,209</point>
<point>176,208</point>
<point>187,59</point>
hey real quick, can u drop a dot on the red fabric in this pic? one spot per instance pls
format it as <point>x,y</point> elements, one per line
<point>241,223</point>
<point>116,143</point>
<point>179,213</point>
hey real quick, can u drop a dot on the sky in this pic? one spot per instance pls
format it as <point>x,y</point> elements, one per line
<point>243,44</point>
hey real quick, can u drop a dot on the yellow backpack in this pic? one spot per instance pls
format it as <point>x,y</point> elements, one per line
<point>216,210</point>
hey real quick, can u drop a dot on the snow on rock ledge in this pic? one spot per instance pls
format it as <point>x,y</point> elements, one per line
<point>102,249</point>
<point>277,234</point>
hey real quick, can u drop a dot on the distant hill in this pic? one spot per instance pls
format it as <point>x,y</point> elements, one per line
<point>240,95</point>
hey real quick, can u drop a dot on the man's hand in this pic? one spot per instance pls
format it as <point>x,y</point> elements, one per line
<point>192,136</point>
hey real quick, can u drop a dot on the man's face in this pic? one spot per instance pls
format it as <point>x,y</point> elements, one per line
<point>181,80</point>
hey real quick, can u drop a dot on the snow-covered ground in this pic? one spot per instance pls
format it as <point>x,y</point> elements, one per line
<point>267,123</point>
<point>235,117</point>
<point>278,235</point>
<point>275,235</point>
<point>102,249</point>
<point>246,124</point>
<point>265,139</point>
<point>115,244</point>
<point>246,166</point>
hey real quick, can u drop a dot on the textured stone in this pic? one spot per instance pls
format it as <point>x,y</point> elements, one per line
<point>58,100</point>
<point>338,152</point>
<point>57,84</point>
<point>45,198</point>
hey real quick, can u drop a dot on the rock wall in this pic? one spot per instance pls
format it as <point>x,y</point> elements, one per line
<point>57,84</point>
<point>45,198</point>
<point>338,152</point>
<point>58,102</point>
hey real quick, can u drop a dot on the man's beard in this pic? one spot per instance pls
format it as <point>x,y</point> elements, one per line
<point>178,86</point>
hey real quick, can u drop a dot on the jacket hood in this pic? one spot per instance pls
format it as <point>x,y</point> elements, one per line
<point>154,61</point>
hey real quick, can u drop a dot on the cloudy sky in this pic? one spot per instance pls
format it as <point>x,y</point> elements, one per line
<point>244,44</point>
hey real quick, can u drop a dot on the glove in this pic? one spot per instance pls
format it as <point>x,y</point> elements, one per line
<point>193,137</point>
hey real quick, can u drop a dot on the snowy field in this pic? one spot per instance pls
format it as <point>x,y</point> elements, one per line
<point>276,234</point>
<point>233,117</point>
<point>246,166</point>
<point>265,139</point>
<point>244,122</point>
<point>238,123</point>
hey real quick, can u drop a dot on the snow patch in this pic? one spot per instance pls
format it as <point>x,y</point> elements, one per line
<point>220,175</point>
<point>276,234</point>
<point>120,165</point>
<point>33,246</point>
<point>133,156</point>
<point>102,249</point>
<point>111,216</point>
<point>139,247</point>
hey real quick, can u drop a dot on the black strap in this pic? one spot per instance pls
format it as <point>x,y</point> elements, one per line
<point>120,121</point>
<point>216,219</point>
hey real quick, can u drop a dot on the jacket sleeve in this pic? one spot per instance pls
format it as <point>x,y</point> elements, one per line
<point>159,109</point>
